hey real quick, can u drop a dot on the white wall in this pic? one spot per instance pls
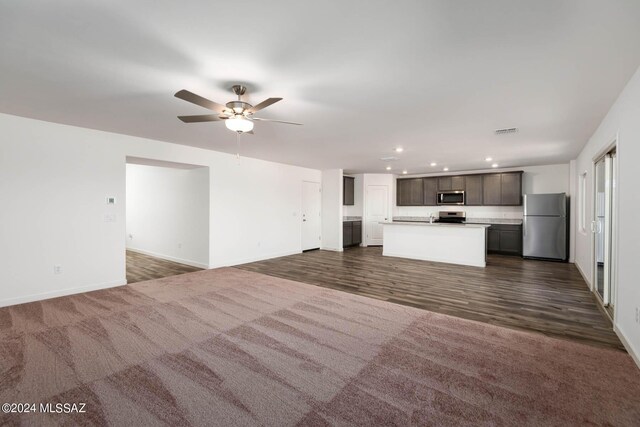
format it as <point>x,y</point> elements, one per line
<point>55,180</point>
<point>621,123</point>
<point>332,209</point>
<point>168,213</point>
<point>536,179</point>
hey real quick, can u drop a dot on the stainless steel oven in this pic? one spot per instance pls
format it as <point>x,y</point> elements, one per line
<point>451,197</point>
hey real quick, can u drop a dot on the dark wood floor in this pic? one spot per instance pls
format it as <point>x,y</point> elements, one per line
<point>144,267</point>
<point>547,297</point>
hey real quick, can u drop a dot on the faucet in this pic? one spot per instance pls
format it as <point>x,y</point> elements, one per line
<point>431,218</point>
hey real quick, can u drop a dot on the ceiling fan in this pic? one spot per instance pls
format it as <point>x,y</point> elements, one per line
<point>237,115</point>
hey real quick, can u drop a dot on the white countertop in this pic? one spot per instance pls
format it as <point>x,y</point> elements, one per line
<point>435,224</point>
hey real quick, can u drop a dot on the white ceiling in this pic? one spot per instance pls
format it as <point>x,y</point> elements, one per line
<point>435,77</point>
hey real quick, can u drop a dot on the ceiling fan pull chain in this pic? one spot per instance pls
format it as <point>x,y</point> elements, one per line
<point>238,146</point>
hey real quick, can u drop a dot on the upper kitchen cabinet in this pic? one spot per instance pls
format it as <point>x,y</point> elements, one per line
<point>491,188</point>
<point>512,188</point>
<point>457,183</point>
<point>473,190</point>
<point>451,183</point>
<point>430,187</point>
<point>444,183</point>
<point>348,190</point>
<point>409,192</point>
<point>502,189</point>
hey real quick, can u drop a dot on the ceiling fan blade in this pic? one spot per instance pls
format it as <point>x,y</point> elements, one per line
<point>200,118</point>
<point>276,121</point>
<point>198,100</point>
<point>264,104</point>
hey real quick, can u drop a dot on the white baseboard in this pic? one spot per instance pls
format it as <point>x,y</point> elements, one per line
<point>583,275</point>
<point>627,345</point>
<point>170,258</point>
<point>254,259</point>
<point>332,249</point>
<point>61,293</point>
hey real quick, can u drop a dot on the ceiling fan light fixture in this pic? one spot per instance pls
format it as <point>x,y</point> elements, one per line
<point>239,124</point>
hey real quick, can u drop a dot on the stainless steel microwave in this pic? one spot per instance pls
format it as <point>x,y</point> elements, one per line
<point>451,197</point>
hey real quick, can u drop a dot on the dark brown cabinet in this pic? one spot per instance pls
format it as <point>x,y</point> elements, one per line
<point>505,239</point>
<point>351,233</point>
<point>450,183</point>
<point>494,189</point>
<point>511,192</point>
<point>347,234</point>
<point>502,189</point>
<point>409,192</point>
<point>444,183</point>
<point>491,189</point>
<point>493,240</point>
<point>473,190</point>
<point>430,191</point>
<point>348,190</point>
<point>457,183</point>
<point>356,235</point>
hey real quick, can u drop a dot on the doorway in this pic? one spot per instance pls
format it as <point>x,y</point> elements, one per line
<point>603,227</point>
<point>377,211</point>
<point>167,218</point>
<point>311,215</point>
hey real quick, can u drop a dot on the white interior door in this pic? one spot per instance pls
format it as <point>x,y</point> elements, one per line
<point>377,210</point>
<point>311,211</point>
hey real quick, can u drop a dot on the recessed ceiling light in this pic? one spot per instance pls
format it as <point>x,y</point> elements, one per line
<point>495,165</point>
<point>434,164</point>
<point>399,149</point>
<point>445,169</point>
<point>404,172</point>
<point>488,159</point>
<point>388,168</point>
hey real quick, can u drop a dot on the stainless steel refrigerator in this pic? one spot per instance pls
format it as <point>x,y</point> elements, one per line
<point>545,226</point>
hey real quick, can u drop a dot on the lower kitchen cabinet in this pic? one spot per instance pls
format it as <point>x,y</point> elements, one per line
<point>351,233</point>
<point>505,239</point>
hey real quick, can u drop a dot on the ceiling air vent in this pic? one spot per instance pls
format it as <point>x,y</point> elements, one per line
<point>388,159</point>
<point>506,131</point>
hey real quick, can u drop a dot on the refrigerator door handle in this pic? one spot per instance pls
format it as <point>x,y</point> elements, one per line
<point>524,226</point>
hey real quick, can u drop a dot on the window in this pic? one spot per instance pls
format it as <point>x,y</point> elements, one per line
<point>582,202</point>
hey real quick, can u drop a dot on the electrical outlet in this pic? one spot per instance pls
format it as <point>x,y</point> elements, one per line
<point>57,269</point>
<point>179,245</point>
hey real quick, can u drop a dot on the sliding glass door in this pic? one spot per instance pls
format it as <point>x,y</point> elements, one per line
<point>603,227</point>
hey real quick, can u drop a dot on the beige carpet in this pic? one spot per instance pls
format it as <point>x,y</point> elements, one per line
<point>229,347</point>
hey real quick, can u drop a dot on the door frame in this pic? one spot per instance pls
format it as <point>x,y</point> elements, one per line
<point>611,224</point>
<point>301,212</point>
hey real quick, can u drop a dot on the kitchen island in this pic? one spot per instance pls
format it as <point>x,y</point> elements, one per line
<point>464,244</point>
